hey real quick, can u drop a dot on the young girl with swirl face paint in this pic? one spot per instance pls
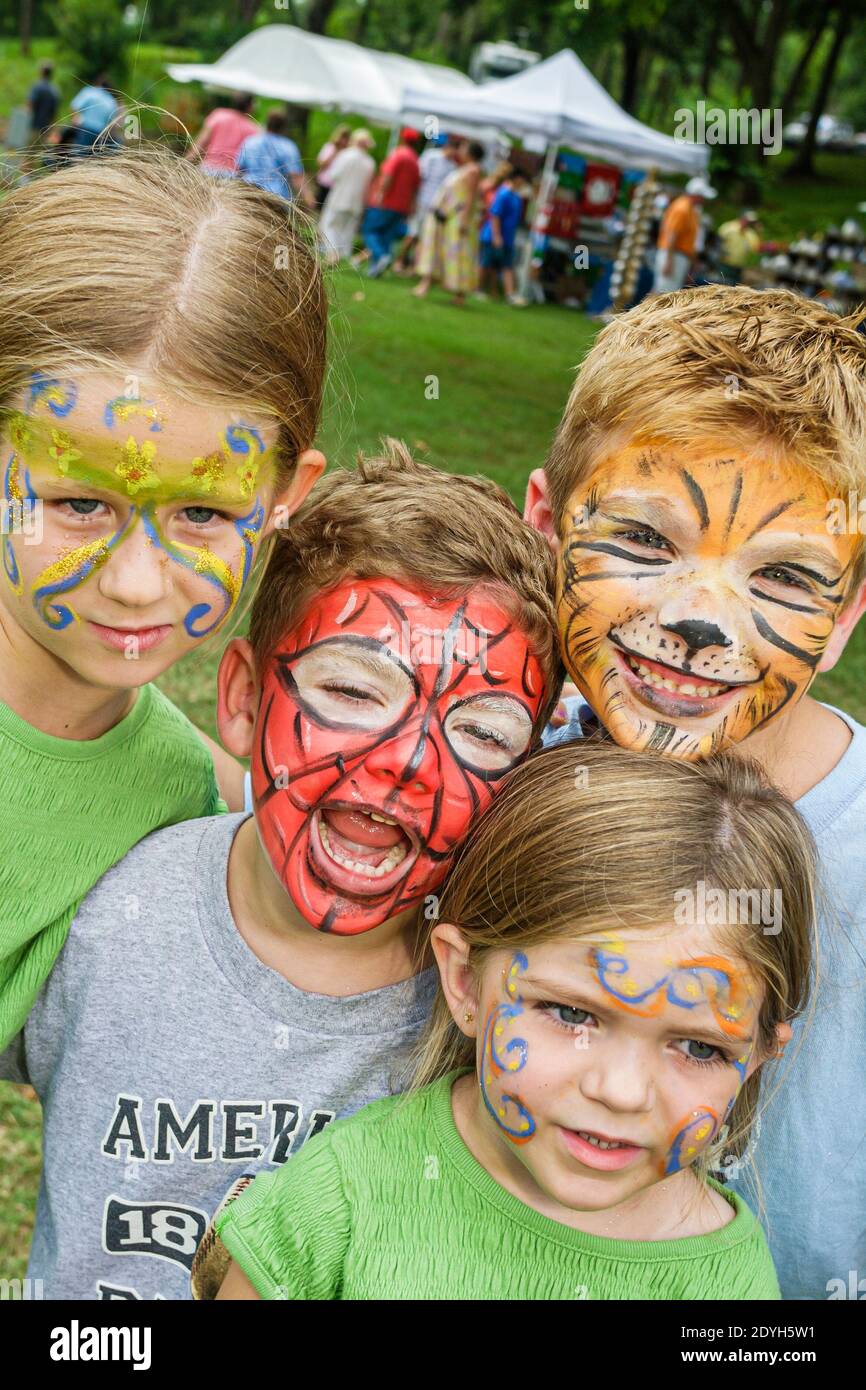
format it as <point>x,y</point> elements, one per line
<point>605,1008</point>
<point>162,340</point>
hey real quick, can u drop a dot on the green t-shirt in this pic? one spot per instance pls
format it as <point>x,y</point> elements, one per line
<point>391,1204</point>
<point>69,810</point>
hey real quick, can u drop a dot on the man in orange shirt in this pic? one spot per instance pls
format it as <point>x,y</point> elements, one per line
<point>678,236</point>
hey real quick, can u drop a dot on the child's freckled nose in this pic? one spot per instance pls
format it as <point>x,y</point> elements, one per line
<point>135,574</point>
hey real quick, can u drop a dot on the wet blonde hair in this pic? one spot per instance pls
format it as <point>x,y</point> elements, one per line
<point>722,362</point>
<point>143,261</point>
<point>397,518</point>
<point>592,837</point>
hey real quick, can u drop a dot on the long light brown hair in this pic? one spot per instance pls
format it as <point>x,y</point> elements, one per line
<point>591,837</point>
<point>141,261</point>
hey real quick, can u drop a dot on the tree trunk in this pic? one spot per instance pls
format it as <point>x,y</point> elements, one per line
<point>630,60</point>
<point>796,80</point>
<point>803,164</point>
<point>319,14</point>
<point>711,51</point>
<point>26,26</point>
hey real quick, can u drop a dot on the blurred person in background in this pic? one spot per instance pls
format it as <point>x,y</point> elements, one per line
<point>221,136</point>
<point>449,253</point>
<point>435,164</point>
<point>739,241</point>
<point>351,175</point>
<point>334,145</point>
<point>43,101</point>
<point>499,233</point>
<point>678,236</point>
<point>94,111</point>
<point>270,160</point>
<point>392,201</point>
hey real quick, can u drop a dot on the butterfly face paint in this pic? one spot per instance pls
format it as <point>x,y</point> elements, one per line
<point>620,1059</point>
<point>387,721</point>
<point>152,513</point>
<point>697,593</point>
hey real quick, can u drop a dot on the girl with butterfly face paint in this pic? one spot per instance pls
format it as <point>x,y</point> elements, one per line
<point>156,426</point>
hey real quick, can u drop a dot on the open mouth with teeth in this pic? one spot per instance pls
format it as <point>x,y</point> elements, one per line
<point>671,691</point>
<point>359,850</point>
<point>600,1150</point>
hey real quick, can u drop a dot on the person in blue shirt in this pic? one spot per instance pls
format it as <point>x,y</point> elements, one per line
<point>94,110</point>
<point>272,161</point>
<point>498,234</point>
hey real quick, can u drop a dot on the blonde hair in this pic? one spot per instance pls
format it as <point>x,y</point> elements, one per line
<point>394,517</point>
<point>559,856</point>
<point>143,260</point>
<point>666,366</point>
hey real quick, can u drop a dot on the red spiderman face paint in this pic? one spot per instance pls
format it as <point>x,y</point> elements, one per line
<point>387,720</point>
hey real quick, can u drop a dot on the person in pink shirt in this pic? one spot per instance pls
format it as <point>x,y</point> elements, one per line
<point>222,135</point>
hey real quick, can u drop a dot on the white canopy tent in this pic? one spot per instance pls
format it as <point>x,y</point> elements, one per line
<point>560,101</point>
<point>305,69</point>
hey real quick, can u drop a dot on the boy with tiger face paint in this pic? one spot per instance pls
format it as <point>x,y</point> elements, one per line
<point>699,593</point>
<point>693,496</point>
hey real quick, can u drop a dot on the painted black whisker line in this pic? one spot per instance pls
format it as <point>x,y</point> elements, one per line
<point>735,502</point>
<point>608,549</point>
<point>770,634</point>
<point>783,603</point>
<point>696,493</point>
<point>771,515</point>
<point>609,574</point>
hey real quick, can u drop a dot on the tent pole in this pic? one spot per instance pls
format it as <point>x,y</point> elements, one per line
<point>548,179</point>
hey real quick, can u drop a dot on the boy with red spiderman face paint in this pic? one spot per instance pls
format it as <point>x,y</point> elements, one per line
<point>402,659</point>
<point>702,498</point>
<point>385,720</point>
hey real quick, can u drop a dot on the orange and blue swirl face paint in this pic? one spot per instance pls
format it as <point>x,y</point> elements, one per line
<point>501,1059</point>
<point>691,1137</point>
<point>710,980</point>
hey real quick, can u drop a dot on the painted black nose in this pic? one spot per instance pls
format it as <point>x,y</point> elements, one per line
<point>696,634</point>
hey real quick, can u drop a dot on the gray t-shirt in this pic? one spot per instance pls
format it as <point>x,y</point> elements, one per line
<point>170,1061</point>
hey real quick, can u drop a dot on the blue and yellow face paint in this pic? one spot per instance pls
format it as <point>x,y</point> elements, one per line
<point>235,473</point>
<point>500,1058</point>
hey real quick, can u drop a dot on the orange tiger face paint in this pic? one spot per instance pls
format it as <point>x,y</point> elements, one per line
<point>698,588</point>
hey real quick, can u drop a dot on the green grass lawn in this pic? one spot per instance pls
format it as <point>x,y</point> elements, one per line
<point>478,389</point>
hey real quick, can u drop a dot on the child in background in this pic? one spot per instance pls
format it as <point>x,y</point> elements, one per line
<point>402,659</point>
<point>498,234</point>
<point>594,1035</point>
<point>701,497</point>
<point>162,346</point>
